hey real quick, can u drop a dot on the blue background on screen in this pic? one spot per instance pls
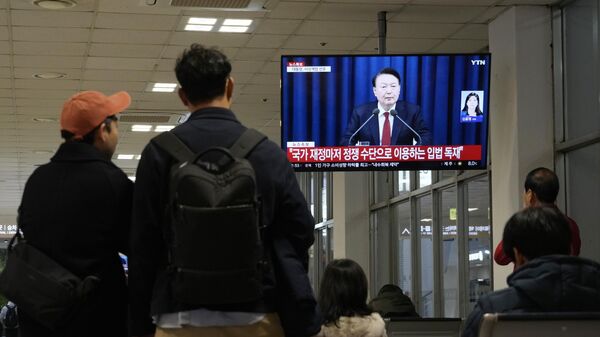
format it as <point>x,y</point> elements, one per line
<point>317,106</point>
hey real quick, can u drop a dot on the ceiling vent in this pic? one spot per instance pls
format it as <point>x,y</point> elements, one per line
<point>151,118</point>
<point>223,5</point>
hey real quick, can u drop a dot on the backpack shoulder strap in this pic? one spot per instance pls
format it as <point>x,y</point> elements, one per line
<point>246,143</point>
<point>173,145</point>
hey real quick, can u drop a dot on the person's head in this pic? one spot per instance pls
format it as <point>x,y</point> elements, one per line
<point>534,232</point>
<point>472,104</point>
<point>204,76</point>
<point>386,87</point>
<point>541,187</point>
<point>390,288</point>
<point>91,117</point>
<point>343,291</point>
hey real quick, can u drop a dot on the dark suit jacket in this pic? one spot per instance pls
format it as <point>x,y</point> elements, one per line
<point>401,135</point>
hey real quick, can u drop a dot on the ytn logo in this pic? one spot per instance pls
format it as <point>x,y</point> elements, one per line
<point>478,62</point>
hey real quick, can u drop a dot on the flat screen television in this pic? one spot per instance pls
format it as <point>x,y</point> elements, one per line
<point>385,112</point>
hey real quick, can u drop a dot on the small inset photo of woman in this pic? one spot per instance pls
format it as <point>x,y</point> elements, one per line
<point>471,107</point>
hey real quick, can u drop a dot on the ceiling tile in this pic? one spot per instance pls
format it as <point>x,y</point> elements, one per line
<point>400,46</point>
<point>4,47</point>
<point>267,41</point>
<point>49,48</point>
<point>337,28</point>
<point>349,12</point>
<point>50,34</point>
<point>472,31</point>
<point>46,84</point>
<point>5,83</point>
<point>291,10</point>
<point>116,63</point>
<point>82,6</point>
<point>489,14</point>
<point>275,26</point>
<point>417,30</point>
<point>137,22</point>
<point>3,21</point>
<point>460,46</point>
<point>163,76</point>
<point>222,40</point>
<point>3,33</point>
<point>129,36</point>
<point>331,42</point>
<point>112,86</point>
<point>128,50</point>
<point>173,52</point>
<point>255,54</point>
<point>67,62</point>
<point>27,72</point>
<point>455,2</point>
<point>438,14</point>
<point>48,18</point>
<point>5,93</point>
<point>116,75</point>
<point>246,66</point>
<point>38,93</point>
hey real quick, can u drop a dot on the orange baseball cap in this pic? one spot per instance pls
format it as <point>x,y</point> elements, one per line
<point>86,110</point>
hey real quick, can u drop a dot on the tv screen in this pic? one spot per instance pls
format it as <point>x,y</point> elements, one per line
<point>385,112</point>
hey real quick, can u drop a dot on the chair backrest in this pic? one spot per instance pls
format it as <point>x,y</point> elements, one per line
<point>423,327</point>
<point>547,324</point>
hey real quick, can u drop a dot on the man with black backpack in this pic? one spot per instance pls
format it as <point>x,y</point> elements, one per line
<point>220,230</point>
<point>10,319</point>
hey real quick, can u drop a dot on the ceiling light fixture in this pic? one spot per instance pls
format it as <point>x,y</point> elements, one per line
<point>125,156</point>
<point>237,22</point>
<point>44,120</point>
<point>49,75</point>
<point>163,128</point>
<point>141,128</point>
<point>200,24</point>
<point>164,87</point>
<point>55,4</point>
<point>233,29</point>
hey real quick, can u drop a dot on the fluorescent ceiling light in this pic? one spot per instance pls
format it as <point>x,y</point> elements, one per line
<point>125,156</point>
<point>202,21</point>
<point>163,87</point>
<point>198,28</point>
<point>141,128</point>
<point>233,29</point>
<point>138,157</point>
<point>237,22</point>
<point>473,209</point>
<point>163,128</point>
<point>132,178</point>
<point>426,220</point>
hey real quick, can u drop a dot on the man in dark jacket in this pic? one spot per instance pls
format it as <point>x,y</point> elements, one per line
<point>391,302</point>
<point>77,210</point>
<point>546,279</point>
<point>206,90</point>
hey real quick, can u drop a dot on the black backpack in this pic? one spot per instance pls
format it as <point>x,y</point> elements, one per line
<point>214,214</point>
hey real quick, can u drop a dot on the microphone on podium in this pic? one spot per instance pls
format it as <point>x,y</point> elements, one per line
<point>373,113</point>
<point>395,114</point>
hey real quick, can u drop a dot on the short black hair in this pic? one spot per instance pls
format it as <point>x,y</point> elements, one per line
<point>88,138</point>
<point>537,231</point>
<point>389,71</point>
<point>389,288</point>
<point>343,291</point>
<point>544,183</point>
<point>202,73</point>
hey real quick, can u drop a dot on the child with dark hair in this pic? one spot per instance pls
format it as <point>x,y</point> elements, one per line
<point>343,302</point>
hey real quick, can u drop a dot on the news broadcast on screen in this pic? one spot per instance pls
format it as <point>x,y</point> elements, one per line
<point>385,112</point>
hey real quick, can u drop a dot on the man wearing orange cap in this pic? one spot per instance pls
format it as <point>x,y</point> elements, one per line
<point>77,210</point>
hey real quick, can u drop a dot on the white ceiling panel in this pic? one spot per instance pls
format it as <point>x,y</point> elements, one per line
<point>247,66</point>
<point>401,46</point>
<point>460,46</point>
<point>3,33</point>
<point>337,28</point>
<point>255,54</point>
<point>164,76</point>
<point>39,93</point>
<point>82,5</point>
<point>116,63</point>
<point>67,62</point>
<point>51,18</point>
<point>44,84</point>
<point>530,2</point>
<point>454,2</point>
<point>223,40</point>
<point>5,93</point>
<point>349,12</point>
<point>415,30</point>
<point>454,14</point>
<point>267,41</point>
<point>128,50</point>
<point>112,86</point>
<point>276,26</point>
<point>472,31</point>
<point>331,42</point>
<point>6,101</point>
<point>4,47</point>
<point>56,104</point>
<point>28,72</point>
<point>3,21</point>
<point>135,7</point>
<point>136,22</point>
<point>173,52</point>
<point>5,83</point>
<point>489,14</point>
<point>4,72</point>
<point>159,105</point>
<point>116,75</point>
<point>49,48</point>
<point>50,34</point>
<point>292,10</point>
<point>130,36</point>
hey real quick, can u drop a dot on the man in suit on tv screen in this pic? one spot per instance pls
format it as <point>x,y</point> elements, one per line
<point>387,121</point>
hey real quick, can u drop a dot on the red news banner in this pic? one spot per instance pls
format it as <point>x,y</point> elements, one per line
<point>366,154</point>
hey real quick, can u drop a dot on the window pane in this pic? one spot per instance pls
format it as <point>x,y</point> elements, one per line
<point>403,181</point>
<point>479,244</point>
<point>581,58</point>
<point>381,185</point>
<point>382,255</point>
<point>324,199</point>
<point>447,174</point>
<point>404,280</point>
<point>311,267</point>
<point>424,178</point>
<point>311,194</point>
<point>425,226</point>
<point>450,299</point>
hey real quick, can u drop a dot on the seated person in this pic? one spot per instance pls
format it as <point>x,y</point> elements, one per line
<point>343,302</point>
<point>387,121</point>
<point>392,303</point>
<point>546,279</point>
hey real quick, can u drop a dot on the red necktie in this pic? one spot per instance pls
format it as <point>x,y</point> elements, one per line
<point>386,135</point>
